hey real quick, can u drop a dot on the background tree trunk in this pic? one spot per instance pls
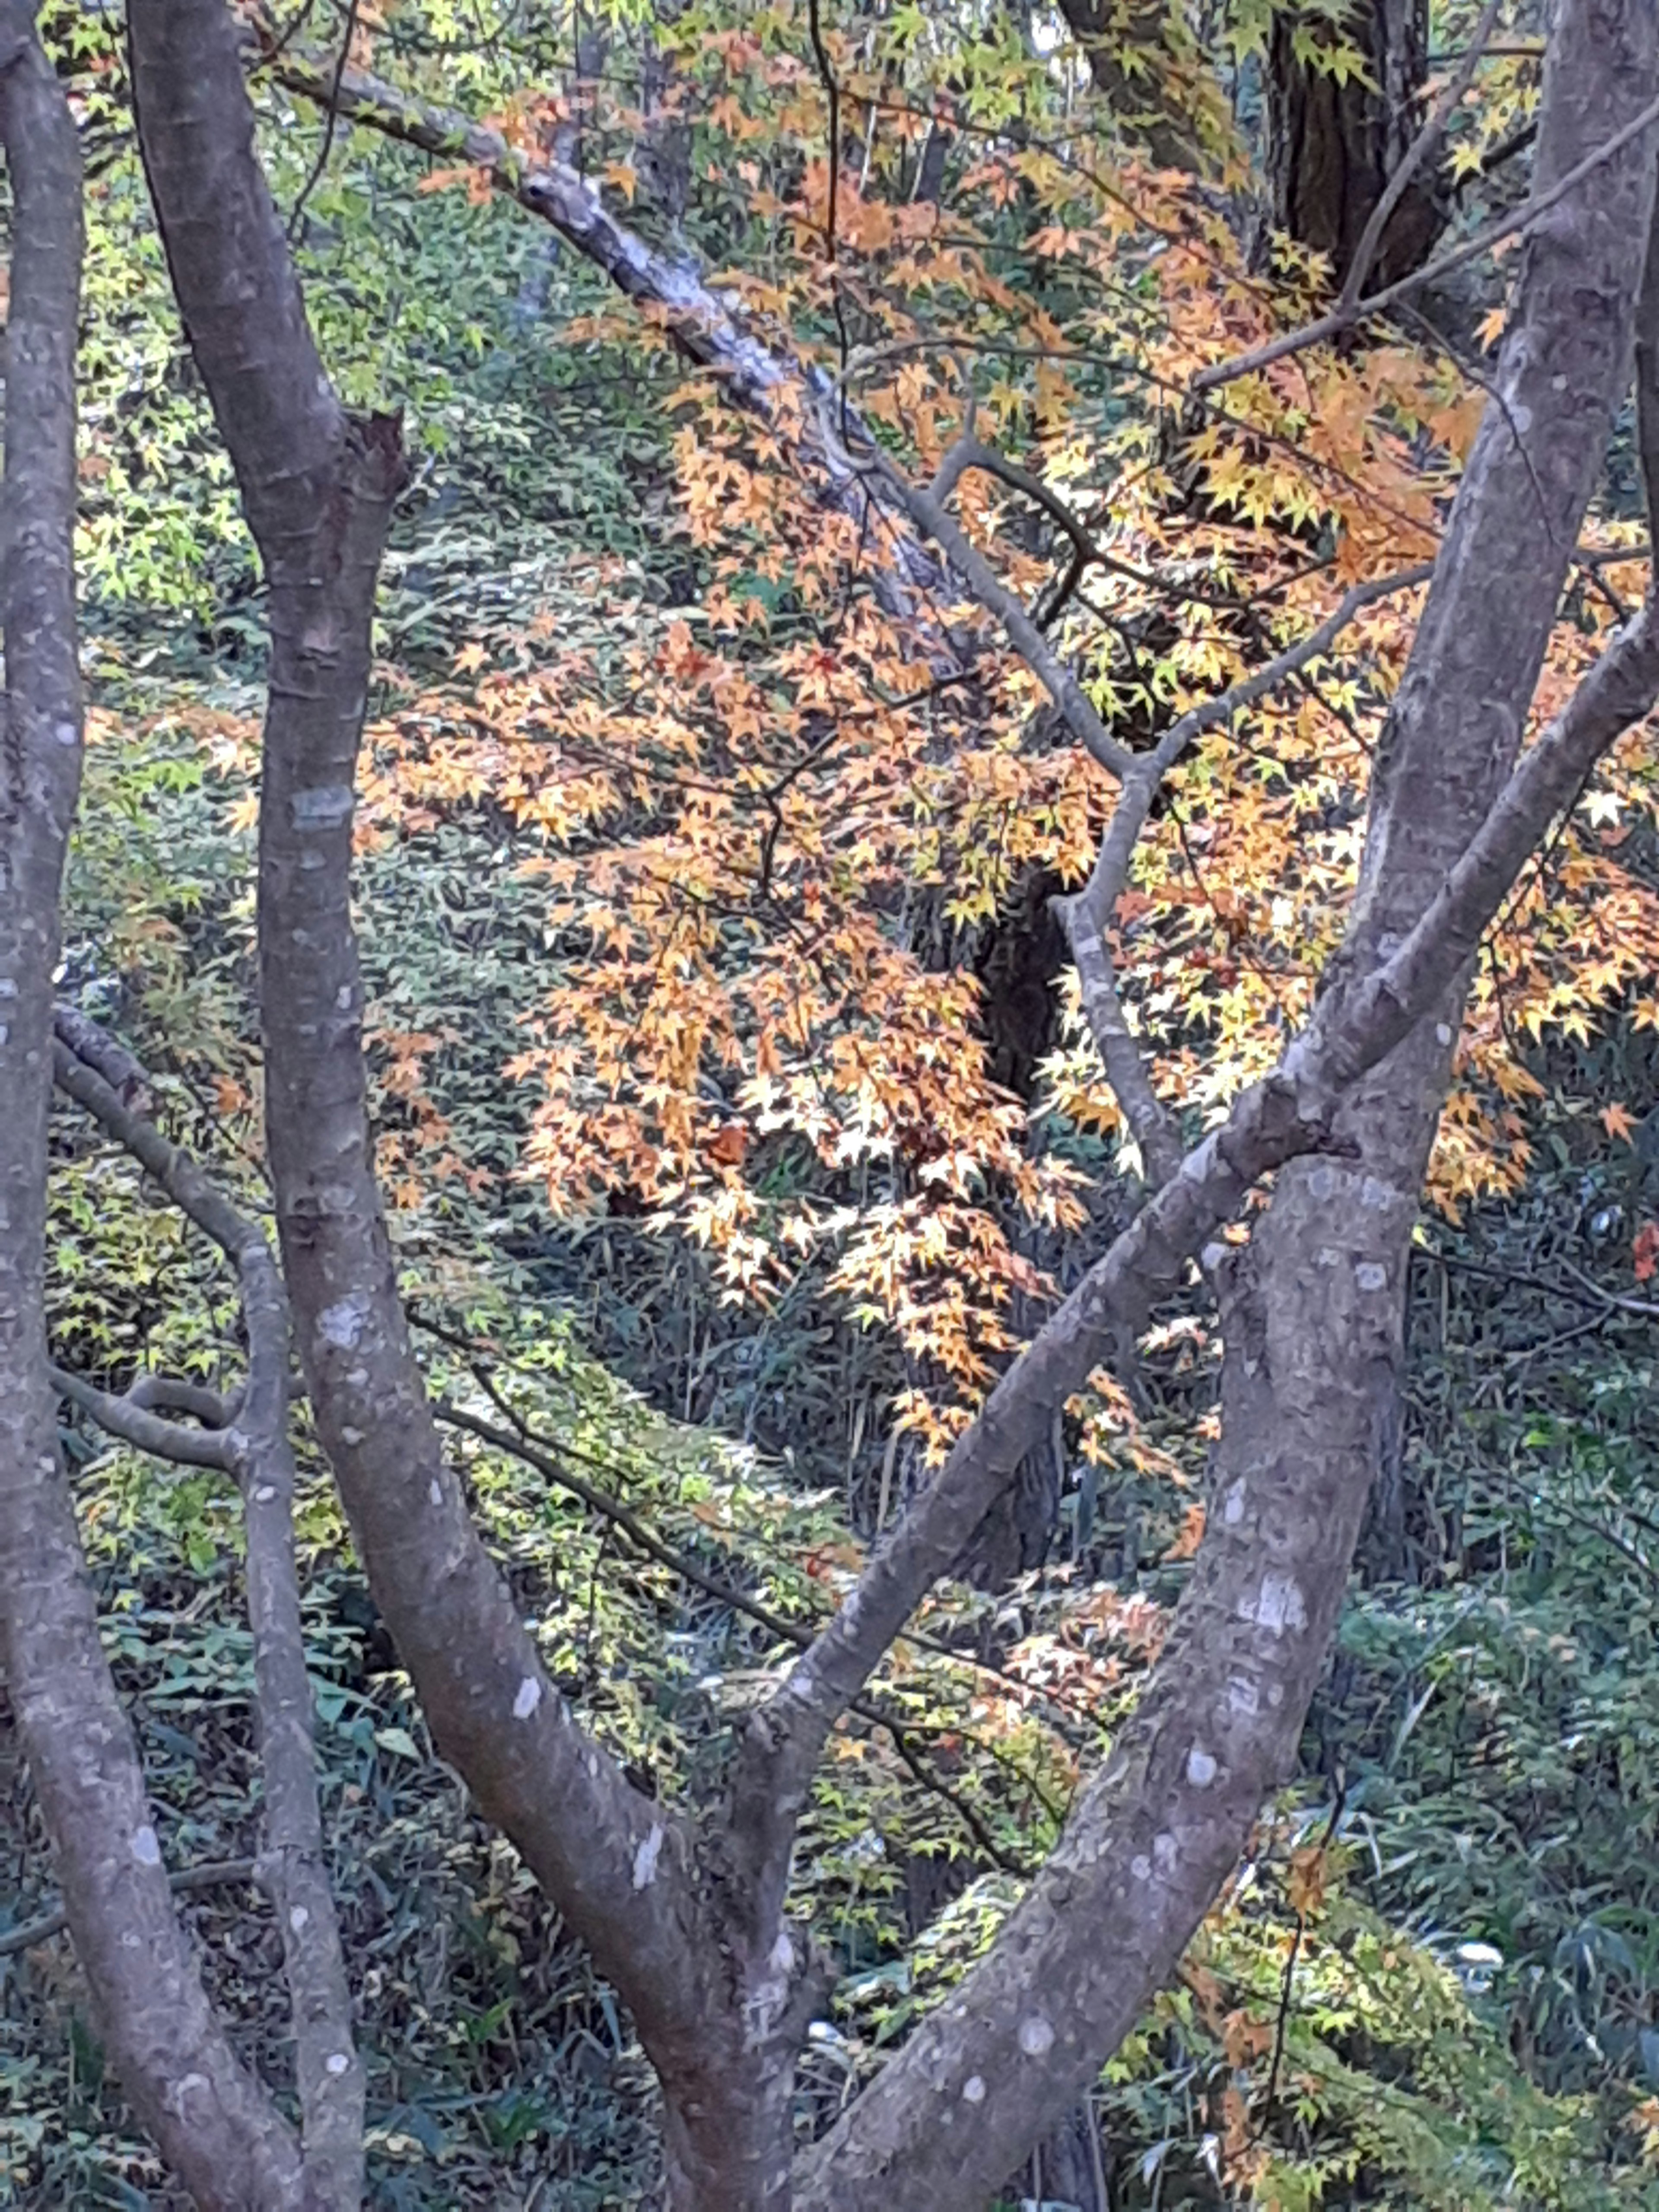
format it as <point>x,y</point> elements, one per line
<point>1335,143</point>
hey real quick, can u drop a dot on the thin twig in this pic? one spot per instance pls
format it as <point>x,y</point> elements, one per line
<point>218,1875</point>
<point>330,118</point>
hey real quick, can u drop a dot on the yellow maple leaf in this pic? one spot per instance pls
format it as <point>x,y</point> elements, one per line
<point>1616,1121</point>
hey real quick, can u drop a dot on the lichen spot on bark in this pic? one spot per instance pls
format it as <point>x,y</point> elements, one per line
<point>342,1324</point>
<point>326,806</point>
<point>1232,1511</point>
<point>1036,2037</point>
<point>529,1697</point>
<point>1370,1276</point>
<point>973,2090</point>
<point>436,1491</point>
<point>782,1953</point>
<point>646,1858</point>
<point>1141,1867</point>
<point>144,1847</point>
<point>1200,1767</point>
<point>299,1919</point>
<point>337,2062</point>
<point>1278,1605</point>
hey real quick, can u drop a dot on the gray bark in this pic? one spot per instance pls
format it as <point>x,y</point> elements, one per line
<point>209,2117</point>
<point>720,2008</point>
<point>248,1439</point>
<point>1312,1307</point>
<point>690,1924</point>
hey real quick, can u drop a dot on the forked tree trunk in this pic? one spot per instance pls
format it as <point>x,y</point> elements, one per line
<point>688,1922</point>
<point>1336,139</point>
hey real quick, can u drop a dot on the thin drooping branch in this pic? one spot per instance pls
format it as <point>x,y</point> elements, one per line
<point>1518,223</point>
<point>1427,139</point>
<point>222,1874</point>
<point>255,1449</point>
<point>215,2125</point>
<point>793,1633</point>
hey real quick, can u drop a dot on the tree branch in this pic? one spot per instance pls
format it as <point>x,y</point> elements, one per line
<point>145,1431</point>
<point>1086,916</point>
<point>703,323</point>
<point>1311,1305</point>
<point>255,1449</point>
<point>220,1874</point>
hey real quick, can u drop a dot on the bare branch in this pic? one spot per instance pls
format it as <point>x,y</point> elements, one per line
<point>255,1450</point>
<point>145,1431</point>
<point>222,1873</point>
<point>94,1044</point>
<point>929,511</point>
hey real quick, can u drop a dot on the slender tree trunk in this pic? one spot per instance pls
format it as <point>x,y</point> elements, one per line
<point>213,2124</point>
<point>1335,140</point>
<point>720,1993</point>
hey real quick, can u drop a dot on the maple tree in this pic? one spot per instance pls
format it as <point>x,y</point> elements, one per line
<point>1056,562</point>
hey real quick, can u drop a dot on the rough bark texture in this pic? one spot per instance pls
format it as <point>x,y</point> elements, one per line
<point>1334,143</point>
<point>1312,1307</point>
<point>1141,62</point>
<point>213,2123</point>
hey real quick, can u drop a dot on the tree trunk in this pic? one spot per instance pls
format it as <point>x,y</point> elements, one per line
<point>1335,141</point>
<point>1312,1305</point>
<point>721,1993</point>
<point>213,2124</point>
